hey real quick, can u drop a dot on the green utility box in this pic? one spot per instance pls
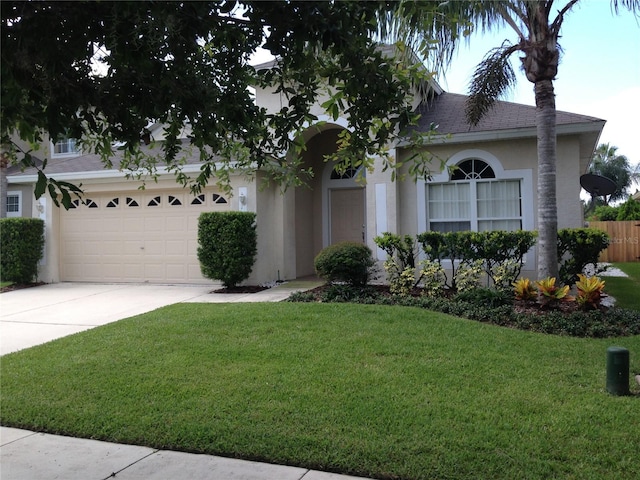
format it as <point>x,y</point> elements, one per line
<point>618,371</point>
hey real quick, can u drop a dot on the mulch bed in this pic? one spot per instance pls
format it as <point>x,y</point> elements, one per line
<point>19,286</point>
<point>241,289</point>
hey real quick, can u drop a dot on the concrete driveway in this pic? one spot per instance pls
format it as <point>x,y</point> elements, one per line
<point>36,315</point>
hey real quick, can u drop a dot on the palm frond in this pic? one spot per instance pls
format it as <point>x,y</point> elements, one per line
<point>434,29</point>
<point>491,79</point>
<point>632,6</point>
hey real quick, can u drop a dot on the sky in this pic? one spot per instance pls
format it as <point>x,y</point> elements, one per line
<point>598,76</point>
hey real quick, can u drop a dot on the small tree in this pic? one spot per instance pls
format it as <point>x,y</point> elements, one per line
<point>227,246</point>
<point>22,243</point>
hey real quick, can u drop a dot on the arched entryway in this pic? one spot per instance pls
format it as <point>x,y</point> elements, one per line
<point>330,208</point>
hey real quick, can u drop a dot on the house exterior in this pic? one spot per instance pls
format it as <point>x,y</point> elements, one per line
<point>124,234</point>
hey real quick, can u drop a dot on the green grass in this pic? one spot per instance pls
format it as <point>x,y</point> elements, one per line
<point>5,284</point>
<point>378,391</point>
<point>625,289</point>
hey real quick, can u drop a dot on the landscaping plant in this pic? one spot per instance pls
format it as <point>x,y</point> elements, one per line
<point>433,278</point>
<point>550,294</point>
<point>400,264</point>
<point>227,246</point>
<point>589,293</point>
<point>524,290</point>
<point>348,262</point>
<point>22,245</point>
<point>577,248</point>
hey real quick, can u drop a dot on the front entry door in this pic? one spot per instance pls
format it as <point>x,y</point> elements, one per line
<point>347,215</point>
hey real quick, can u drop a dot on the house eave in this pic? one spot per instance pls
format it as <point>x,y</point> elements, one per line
<point>528,132</point>
<point>98,174</point>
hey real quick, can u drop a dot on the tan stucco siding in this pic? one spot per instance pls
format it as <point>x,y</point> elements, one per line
<point>570,212</point>
<point>513,154</point>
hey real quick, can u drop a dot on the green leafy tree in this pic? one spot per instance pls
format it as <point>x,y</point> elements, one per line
<point>536,25</point>
<point>629,210</point>
<point>607,162</point>
<point>101,72</point>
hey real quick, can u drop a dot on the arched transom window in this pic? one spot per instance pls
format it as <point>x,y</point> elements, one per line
<point>474,199</point>
<point>472,169</point>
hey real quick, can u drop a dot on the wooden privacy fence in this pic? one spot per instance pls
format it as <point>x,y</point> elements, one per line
<point>624,241</point>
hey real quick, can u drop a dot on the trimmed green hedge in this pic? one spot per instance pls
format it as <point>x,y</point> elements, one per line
<point>348,262</point>
<point>21,245</point>
<point>577,248</point>
<point>227,246</point>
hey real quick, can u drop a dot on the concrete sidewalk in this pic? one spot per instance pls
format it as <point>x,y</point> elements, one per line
<point>37,315</point>
<point>36,456</point>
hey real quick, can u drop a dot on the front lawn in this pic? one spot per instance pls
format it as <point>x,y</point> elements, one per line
<point>625,289</point>
<point>379,391</point>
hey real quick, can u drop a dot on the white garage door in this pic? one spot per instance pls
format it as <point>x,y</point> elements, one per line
<point>135,237</point>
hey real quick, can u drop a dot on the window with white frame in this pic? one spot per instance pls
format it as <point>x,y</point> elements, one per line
<point>65,146</point>
<point>14,204</point>
<point>474,200</point>
<point>476,193</point>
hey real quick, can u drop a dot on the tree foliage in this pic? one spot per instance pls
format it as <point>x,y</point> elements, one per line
<point>103,71</point>
<point>607,162</point>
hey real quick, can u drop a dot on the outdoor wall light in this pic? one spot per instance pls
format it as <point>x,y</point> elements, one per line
<point>242,199</point>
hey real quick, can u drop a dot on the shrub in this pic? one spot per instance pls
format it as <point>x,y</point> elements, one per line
<point>468,276</point>
<point>485,297</point>
<point>453,246</point>
<point>400,264</point>
<point>348,262</point>
<point>502,253</point>
<point>433,278</point>
<point>22,244</point>
<point>349,293</point>
<point>577,248</point>
<point>404,283</point>
<point>227,246</point>
<point>499,253</point>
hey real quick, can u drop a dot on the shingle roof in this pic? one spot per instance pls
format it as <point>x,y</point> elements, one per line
<point>91,162</point>
<point>447,110</point>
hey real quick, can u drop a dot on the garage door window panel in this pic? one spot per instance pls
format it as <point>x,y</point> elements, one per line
<point>199,200</point>
<point>219,199</point>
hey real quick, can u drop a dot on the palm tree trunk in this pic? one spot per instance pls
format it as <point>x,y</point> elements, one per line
<point>547,205</point>
<point>4,164</point>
